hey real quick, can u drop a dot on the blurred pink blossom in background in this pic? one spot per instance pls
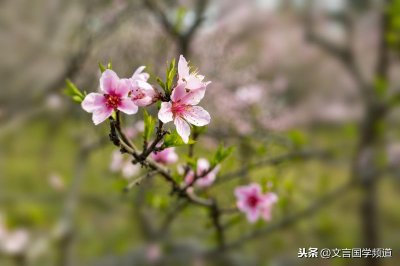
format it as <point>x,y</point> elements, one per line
<point>254,203</point>
<point>166,156</point>
<point>13,242</point>
<point>122,164</point>
<point>202,166</point>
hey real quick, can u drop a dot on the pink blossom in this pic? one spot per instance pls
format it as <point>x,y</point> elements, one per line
<point>166,156</point>
<point>124,165</point>
<point>117,161</point>
<point>251,201</point>
<point>113,96</point>
<point>129,169</point>
<point>153,252</point>
<point>192,80</point>
<point>185,96</point>
<point>142,93</point>
<point>250,94</point>
<point>13,242</point>
<point>202,166</point>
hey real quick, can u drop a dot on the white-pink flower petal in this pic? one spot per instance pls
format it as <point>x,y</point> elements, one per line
<point>197,116</point>
<point>127,106</point>
<point>165,114</point>
<point>109,81</point>
<point>193,97</point>
<point>92,102</point>
<point>123,88</point>
<point>183,128</point>
<point>140,75</point>
<point>183,68</point>
<point>100,115</point>
<point>178,93</point>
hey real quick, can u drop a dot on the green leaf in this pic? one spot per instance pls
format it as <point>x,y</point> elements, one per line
<point>169,78</point>
<point>73,91</point>
<point>297,138</point>
<point>161,83</point>
<point>173,140</point>
<point>77,99</point>
<point>221,154</point>
<point>103,68</point>
<point>149,125</point>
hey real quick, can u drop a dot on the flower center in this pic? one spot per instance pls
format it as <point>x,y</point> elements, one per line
<point>112,101</point>
<point>178,109</point>
<point>138,96</point>
<point>252,201</point>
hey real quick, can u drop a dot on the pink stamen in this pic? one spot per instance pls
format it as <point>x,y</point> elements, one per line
<point>178,109</point>
<point>112,101</point>
<point>253,201</point>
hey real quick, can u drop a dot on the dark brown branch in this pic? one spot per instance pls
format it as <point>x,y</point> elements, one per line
<point>215,214</point>
<point>182,39</point>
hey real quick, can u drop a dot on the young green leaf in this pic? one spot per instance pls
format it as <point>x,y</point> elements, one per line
<point>73,91</point>
<point>149,125</point>
<point>173,140</point>
<point>161,83</point>
<point>103,67</point>
<point>170,75</point>
<point>221,154</point>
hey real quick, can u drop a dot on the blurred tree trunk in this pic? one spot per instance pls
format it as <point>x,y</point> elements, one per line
<point>365,168</point>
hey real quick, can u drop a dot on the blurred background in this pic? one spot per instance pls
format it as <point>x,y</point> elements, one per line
<point>307,92</point>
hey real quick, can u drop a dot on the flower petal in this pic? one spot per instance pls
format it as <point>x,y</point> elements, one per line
<point>100,115</point>
<point>252,215</point>
<point>165,113</point>
<point>145,86</point>
<point>202,165</point>
<point>193,97</point>
<point>183,68</point>
<point>145,101</point>
<point>242,192</point>
<point>270,198</point>
<point>123,88</point>
<point>197,116</point>
<point>128,107</point>
<point>93,101</point>
<point>189,178</point>
<point>183,128</point>
<point>266,212</point>
<point>206,181</point>
<point>139,75</point>
<point>178,92</point>
<point>255,189</point>
<point>109,81</point>
<point>193,82</point>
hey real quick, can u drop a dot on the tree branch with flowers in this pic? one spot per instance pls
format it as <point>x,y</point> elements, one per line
<point>177,101</point>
